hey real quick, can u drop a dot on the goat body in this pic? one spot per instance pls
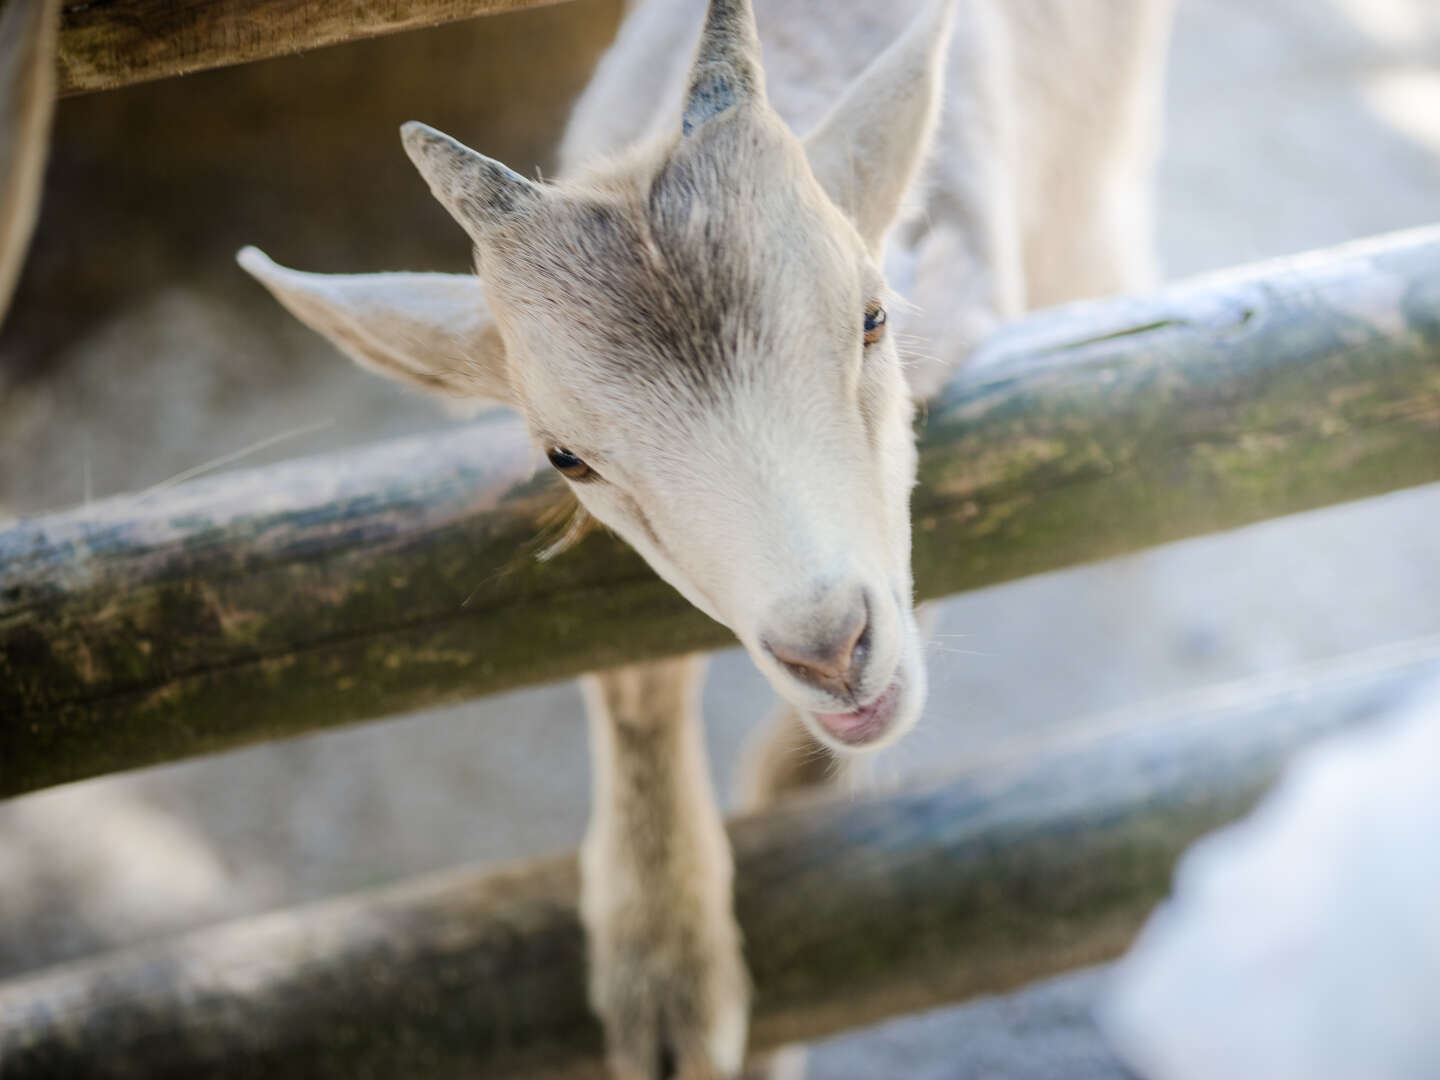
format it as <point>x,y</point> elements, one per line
<point>693,321</point>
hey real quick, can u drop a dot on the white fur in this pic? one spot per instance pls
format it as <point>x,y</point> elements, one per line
<point>1037,190</point>
<point>683,310</point>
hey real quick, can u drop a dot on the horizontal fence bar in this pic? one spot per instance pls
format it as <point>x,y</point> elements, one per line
<point>106,44</point>
<point>850,912</point>
<point>279,600</point>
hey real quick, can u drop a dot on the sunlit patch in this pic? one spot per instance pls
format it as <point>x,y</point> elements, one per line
<point>1408,100</point>
<point>1397,23</point>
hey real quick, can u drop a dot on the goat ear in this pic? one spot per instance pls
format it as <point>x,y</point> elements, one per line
<point>432,331</point>
<point>477,190</point>
<point>867,150</point>
<point>727,68</point>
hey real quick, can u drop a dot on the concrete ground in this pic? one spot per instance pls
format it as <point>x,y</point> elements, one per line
<point>1292,124</point>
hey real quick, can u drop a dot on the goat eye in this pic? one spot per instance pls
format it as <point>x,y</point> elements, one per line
<point>874,322</point>
<point>568,464</point>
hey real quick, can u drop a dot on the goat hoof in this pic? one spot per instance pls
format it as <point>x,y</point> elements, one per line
<point>671,1010</point>
<point>787,1063</point>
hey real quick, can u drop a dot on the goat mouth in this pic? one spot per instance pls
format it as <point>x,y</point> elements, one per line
<point>866,724</point>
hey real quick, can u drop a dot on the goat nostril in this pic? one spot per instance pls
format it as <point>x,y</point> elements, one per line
<point>804,672</point>
<point>850,647</point>
<point>861,650</point>
<point>829,664</point>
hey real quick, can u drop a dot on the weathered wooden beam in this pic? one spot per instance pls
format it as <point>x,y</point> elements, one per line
<point>280,600</point>
<point>27,102</point>
<point>115,43</point>
<point>850,912</point>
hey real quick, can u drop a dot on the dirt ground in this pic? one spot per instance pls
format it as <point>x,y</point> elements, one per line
<point>137,350</point>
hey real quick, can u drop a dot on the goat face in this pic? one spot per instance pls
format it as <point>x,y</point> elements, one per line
<point>696,335</point>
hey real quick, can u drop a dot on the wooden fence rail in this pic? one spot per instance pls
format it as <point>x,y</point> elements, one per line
<point>851,912</point>
<point>106,44</point>
<point>285,599</point>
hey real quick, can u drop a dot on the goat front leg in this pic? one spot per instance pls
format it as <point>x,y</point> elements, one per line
<point>666,974</point>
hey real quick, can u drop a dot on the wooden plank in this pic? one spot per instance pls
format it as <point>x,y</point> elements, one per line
<point>106,44</point>
<point>850,911</point>
<point>281,600</point>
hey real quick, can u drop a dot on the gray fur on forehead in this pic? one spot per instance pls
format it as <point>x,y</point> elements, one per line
<point>678,270</point>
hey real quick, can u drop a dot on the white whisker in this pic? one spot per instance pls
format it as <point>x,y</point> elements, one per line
<point>938,647</point>
<point>237,455</point>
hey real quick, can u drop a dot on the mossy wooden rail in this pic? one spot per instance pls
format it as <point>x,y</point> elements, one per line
<point>851,912</point>
<point>279,600</point>
<point>106,44</point>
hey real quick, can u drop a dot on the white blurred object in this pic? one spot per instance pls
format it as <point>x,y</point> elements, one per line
<point>94,865</point>
<point>1303,943</point>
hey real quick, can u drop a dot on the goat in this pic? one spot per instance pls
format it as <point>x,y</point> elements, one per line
<point>694,321</point>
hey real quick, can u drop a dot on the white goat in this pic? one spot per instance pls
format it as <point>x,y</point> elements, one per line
<point>693,320</point>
